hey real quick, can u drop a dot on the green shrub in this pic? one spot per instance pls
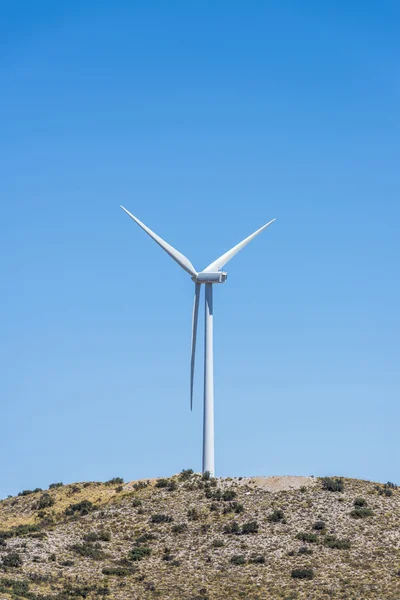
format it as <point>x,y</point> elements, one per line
<point>217,544</point>
<point>319,525</point>
<point>17,587</point>
<point>185,474</point>
<point>18,531</point>
<point>276,516</point>
<point>141,485</point>
<point>167,556</point>
<point>333,484</point>
<point>206,476</point>
<point>257,560</point>
<point>311,538</point>
<point>161,518</point>
<point>250,527</point>
<point>228,495</point>
<point>304,550</point>
<point>360,502</point>
<point>118,571</point>
<point>12,560</point>
<point>235,507</point>
<point>169,484</point>
<point>53,486</point>
<point>386,490</point>
<point>360,512</point>
<point>179,528</point>
<point>238,559</point>
<point>28,492</point>
<point>193,514</point>
<point>88,550</point>
<point>217,494</point>
<point>81,508</point>
<point>232,527</point>
<point>162,483</point>
<point>115,481</point>
<point>145,537</point>
<point>302,573</point>
<point>391,485</point>
<point>45,501</point>
<point>97,536</point>
<point>136,502</point>
<point>331,541</point>
<point>139,552</point>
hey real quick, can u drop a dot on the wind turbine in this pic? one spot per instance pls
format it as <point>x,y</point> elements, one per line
<point>208,277</point>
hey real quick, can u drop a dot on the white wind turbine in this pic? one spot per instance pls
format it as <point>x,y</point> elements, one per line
<point>210,275</point>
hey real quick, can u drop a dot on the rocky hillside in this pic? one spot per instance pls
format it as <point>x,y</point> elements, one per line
<point>192,537</point>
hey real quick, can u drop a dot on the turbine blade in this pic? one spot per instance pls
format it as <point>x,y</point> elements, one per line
<point>222,260</point>
<point>175,254</point>
<point>195,316</point>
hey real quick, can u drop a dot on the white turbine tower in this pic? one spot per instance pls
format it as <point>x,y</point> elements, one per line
<point>210,275</point>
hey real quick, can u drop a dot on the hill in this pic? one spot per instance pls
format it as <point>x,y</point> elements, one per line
<point>196,538</point>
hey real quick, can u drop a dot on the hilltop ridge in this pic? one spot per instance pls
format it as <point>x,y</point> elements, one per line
<point>199,538</point>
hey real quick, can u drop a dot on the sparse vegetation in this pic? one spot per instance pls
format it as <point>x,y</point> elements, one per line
<point>66,551</point>
<point>54,486</point>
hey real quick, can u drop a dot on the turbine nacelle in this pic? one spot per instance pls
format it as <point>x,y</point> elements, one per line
<point>205,277</point>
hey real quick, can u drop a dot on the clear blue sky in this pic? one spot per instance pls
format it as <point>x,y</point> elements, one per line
<point>206,120</point>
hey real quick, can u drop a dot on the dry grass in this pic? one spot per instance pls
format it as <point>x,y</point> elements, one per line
<point>194,561</point>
